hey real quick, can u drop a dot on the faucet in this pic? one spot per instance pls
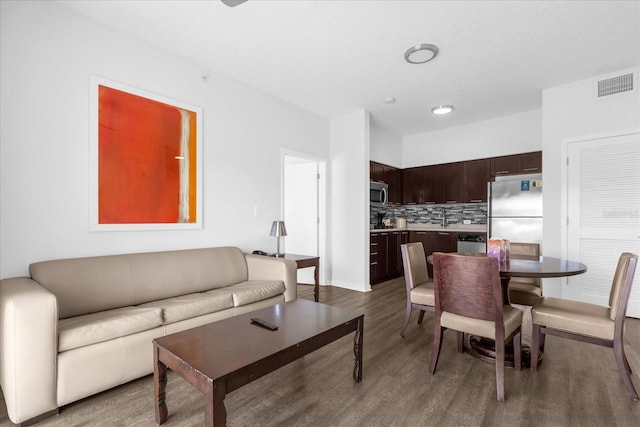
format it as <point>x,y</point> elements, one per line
<point>443,223</point>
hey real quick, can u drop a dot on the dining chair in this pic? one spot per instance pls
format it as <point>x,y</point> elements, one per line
<point>419,285</point>
<point>590,323</point>
<point>525,290</point>
<point>468,299</point>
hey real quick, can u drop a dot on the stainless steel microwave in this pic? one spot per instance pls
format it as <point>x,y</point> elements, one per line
<point>378,193</point>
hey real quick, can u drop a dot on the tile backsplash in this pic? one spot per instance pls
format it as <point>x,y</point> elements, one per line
<point>432,214</point>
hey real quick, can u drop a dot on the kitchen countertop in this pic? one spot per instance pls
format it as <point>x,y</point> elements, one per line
<point>470,228</point>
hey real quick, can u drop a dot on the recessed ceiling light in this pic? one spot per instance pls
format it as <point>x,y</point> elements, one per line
<point>442,109</point>
<point>421,53</point>
<point>390,100</point>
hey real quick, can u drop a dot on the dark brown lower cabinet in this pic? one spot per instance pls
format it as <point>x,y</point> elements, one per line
<point>435,241</point>
<point>385,255</point>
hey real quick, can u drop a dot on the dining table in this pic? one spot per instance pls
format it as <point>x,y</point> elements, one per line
<point>524,266</point>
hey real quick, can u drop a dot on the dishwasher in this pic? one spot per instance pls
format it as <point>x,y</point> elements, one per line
<point>472,243</point>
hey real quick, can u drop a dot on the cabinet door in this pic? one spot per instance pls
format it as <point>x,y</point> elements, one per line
<point>421,236</point>
<point>477,173</point>
<point>530,162</point>
<point>412,186</point>
<point>395,185</point>
<point>433,191</point>
<point>454,184</point>
<point>393,247</point>
<point>376,171</point>
<point>504,165</point>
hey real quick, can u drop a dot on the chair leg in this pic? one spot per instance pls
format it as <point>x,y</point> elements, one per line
<point>460,337</point>
<point>517,350</point>
<point>618,349</point>
<point>626,363</point>
<point>500,369</point>
<point>435,350</point>
<point>542,340</point>
<point>407,315</point>
<point>420,317</point>
<point>535,347</point>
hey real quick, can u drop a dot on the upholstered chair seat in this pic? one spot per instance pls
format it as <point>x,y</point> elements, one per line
<point>468,299</point>
<point>590,323</point>
<point>418,284</point>
<point>525,290</point>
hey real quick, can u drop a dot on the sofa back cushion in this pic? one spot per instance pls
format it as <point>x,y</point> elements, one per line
<point>92,284</point>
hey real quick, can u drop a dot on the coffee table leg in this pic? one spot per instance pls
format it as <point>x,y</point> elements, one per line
<point>159,386</point>
<point>357,350</point>
<point>215,413</point>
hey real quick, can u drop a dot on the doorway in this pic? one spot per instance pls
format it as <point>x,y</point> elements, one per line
<point>603,214</point>
<point>303,207</point>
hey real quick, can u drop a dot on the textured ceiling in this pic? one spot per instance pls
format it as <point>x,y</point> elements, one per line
<point>333,57</point>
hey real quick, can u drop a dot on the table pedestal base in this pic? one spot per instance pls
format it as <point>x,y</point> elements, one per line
<point>484,349</point>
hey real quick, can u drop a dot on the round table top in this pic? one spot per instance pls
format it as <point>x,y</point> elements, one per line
<point>541,267</point>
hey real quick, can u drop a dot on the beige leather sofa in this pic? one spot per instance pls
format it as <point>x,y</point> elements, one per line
<point>80,326</point>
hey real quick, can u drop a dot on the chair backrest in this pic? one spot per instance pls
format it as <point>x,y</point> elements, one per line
<point>468,286</point>
<point>415,264</point>
<point>621,286</point>
<point>520,250</point>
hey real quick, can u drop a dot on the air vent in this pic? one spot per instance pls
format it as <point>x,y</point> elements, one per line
<point>615,85</point>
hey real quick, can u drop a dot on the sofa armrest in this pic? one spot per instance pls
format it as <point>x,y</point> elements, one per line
<point>28,348</point>
<point>270,268</point>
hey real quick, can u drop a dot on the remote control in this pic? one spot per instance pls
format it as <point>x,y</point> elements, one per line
<point>261,322</point>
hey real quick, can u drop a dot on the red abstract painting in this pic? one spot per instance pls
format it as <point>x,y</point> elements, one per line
<point>147,152</point>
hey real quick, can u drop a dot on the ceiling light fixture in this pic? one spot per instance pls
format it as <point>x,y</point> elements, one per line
<point>421,53</point>
<point>389,100</point>
<point>442,109</point>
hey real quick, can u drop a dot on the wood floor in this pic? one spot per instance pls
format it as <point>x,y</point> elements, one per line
<point>577,384</point>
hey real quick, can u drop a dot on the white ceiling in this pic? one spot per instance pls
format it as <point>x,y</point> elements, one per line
<point>333,57</point>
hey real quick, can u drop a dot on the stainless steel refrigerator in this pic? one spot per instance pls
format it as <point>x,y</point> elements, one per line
<point>515,208</point>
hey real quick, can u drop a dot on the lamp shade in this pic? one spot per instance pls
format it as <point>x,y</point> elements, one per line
<point>278,229</point>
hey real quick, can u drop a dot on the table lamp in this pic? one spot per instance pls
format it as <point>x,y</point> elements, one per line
<point>278,230</point>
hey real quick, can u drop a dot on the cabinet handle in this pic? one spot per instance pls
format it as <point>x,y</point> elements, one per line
<point>429,203</point>
<point>374,244</point>
<point>443,234</point>
<point>501,172</point>
<point>475,201</point>
<point>395,233</point>
<point>374,253</point>
<point>530,169</point>
<point>374,263</point>
<point>421,232</point>
<point>384,234</point>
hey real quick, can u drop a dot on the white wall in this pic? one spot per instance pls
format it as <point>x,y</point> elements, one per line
<point>518,133</point>
<point>386,146</point>
<point>47,55</point>
<point>349,202</point>
<point>573,111</point>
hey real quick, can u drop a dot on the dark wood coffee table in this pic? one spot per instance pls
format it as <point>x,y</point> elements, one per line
<point>222,356</point>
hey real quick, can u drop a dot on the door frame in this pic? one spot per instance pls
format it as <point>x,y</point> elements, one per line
<point>322,203</point>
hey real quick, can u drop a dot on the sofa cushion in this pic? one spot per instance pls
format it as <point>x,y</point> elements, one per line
<point>251,291</point>
<point>94,284</point>
<point>93,328</point>
<point>192,305</point>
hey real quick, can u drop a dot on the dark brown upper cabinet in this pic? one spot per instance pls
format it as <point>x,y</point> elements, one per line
<point>477,174</point>
<point>516,164</point>
<point>453,180</point>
